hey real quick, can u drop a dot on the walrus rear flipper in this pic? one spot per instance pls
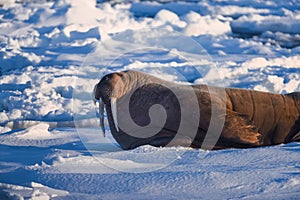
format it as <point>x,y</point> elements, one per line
<point>239,131</point>
<point>294,135</point>
<point>296,138</point>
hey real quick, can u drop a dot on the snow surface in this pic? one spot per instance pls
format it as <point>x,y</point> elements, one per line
<point>52,53</point>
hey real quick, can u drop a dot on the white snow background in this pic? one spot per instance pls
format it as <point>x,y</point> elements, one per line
<point>53,52</point>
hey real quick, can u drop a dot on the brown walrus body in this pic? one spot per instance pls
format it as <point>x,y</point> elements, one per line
<point>251,118</point>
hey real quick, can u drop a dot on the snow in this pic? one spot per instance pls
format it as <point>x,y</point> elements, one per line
<point>52,53</point>
<point>257,24</point>
<point>36,191</point>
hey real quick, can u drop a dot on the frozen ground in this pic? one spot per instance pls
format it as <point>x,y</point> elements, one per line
<point>52,54</point>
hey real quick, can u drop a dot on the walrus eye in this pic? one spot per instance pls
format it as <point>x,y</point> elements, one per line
<point>113,104</point>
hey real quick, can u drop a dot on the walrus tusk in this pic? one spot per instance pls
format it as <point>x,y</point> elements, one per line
<point>113,103</point>
<point>101,115</point>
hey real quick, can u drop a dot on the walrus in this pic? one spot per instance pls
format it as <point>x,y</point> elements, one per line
<point>250,118</point>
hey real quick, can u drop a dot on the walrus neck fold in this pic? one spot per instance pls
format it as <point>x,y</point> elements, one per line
<point>130,81</point>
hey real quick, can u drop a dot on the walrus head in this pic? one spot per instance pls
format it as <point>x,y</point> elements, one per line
<point>106,93</point>
<point>112,87</point>
<point>105,89</point>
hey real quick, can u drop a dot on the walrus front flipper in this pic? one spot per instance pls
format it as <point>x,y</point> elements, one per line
<point>239,131</point>
<point>179,140</point>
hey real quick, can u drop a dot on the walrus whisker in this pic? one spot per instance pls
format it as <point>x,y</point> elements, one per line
<point>101,116</point>
<point>114,112</point>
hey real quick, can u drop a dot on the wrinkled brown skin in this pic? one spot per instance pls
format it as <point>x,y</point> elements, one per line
<point>253,118</point>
